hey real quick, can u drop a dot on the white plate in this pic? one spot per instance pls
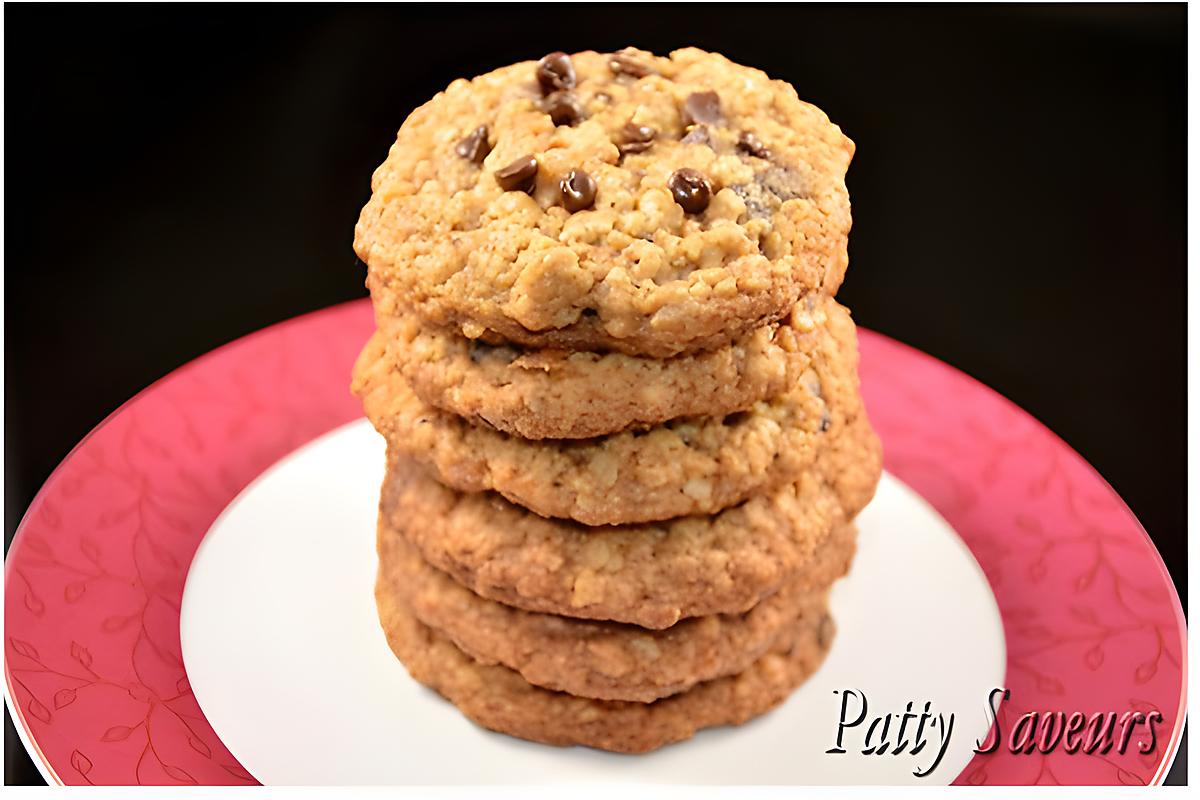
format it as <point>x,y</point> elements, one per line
<point>286,657</point>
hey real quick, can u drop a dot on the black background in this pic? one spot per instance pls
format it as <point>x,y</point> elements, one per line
<point>180,176</point>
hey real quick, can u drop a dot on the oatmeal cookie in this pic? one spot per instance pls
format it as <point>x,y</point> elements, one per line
<point>650,574</point>
<point>605,660</point>
<point>648,205</point>
<point>500,699</point>
<point>695,465</point>
<point>560,394</point>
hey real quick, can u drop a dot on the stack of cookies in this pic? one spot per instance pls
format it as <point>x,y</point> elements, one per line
<point>625,438</point>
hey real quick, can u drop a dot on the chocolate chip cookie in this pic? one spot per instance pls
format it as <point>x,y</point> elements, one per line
<point>500,699</point>
<point>694,465</point>
<point>605,660</point>
<point>560,394</point>
<point>629,202</point>
<point>650,575</point>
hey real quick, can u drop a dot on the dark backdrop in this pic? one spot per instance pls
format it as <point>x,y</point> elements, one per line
<point>180,176</point>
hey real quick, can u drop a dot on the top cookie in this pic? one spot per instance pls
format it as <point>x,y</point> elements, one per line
<point>623,201</point>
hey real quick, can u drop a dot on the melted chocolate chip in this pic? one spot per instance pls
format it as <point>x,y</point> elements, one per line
<point>690,189</point>
<point>519,176</point>
<point>556,73</point>
<point>770,189</point>
<point>758,201</point>
<point>783,183</point>
<point>563,108</point>
<point>749,143</point>
<point>623,64</point>
<point>474,147</point>
<point>699,134</point>
<point>701,107</point>
<point>637,138</point>
<point>578,190</point>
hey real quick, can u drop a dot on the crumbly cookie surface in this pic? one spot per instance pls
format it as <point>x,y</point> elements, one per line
<point>694,465</point>
<point>500,699</point>
<point>701,201</point>
<point>651,574</point>
<point>605,660</point>
<point>560,394</point>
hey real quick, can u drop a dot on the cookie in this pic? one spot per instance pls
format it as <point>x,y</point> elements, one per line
<point>500,699</point>
<point>605,660</point>
<point>559,394</point>
<point>650,575</point>
<point>695,465</point>
<point>579,205</point>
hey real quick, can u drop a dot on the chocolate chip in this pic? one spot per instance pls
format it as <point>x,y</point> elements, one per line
<point>701,107</point>
<point>749,143</point>
<point>555,73</point>
<point>474,147</point>
<point>699,134</point>
<point>622,64</point>
<point>519,176</point>
<point>578,190</point>
<point>736,418</point>
<point>691,189</point>
<point>636,138</point>
<point>563,108</point>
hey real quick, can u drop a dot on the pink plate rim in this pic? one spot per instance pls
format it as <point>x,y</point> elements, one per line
<point>95,679</point>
